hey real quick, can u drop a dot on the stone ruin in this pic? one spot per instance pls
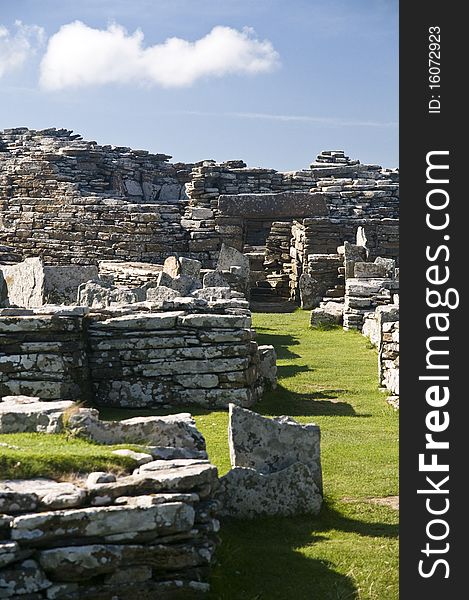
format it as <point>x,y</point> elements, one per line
<point>127,281</point>
<point>367,301</point>
<point>152,533</point>
<point>73,202</point>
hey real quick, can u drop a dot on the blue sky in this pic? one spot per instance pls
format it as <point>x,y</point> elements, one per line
<point>310,75</point>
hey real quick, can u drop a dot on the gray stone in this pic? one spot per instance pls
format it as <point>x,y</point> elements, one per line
<point>268,365</point>
<point>230,257</point>
<point>141,321</point>
<point>190,267</point>
<point>177,477</point>
<point>31,417</point>
<point>368,270</point>
<point>389,265</point>
<point>213,293</point>
<point>273,206</point>
<point>25,282</point>
<point>61,282</point>
<point>164,279</point>
<point>177,430</point>
<point>133,187</point>
<point>170,453</point>
<point>78,563</point>
<point>170,192</point>
<point>25,578</point>
<point>94,294</point>
<point>140,458</point>
<point>103,521</point>
<point>245,493</point>
<point>18,495</point>
<point>161,293</point>
<point>185,284</point>
<point>100,477</point>
<point>207,321</point>
<point>329,313</point>
<point>271,445</point>
<point>215,279</point>
<point>9,552</point>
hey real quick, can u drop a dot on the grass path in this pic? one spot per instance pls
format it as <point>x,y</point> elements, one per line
<point>351,550</point>
<point>348,552</point>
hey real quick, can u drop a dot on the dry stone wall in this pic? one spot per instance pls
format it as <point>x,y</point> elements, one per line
<point>185,351</point>
<point>71,201</point>
<point>149,534</point>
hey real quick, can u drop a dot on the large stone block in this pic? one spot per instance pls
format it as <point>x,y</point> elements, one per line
<point>246,493</point>
<point>18,415</point>
<point>274,206</point>
<point>164,519</point>
<point>177,430</point>
<point>271,445</point>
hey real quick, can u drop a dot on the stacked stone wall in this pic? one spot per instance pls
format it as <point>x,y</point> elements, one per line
<point>174,353</point>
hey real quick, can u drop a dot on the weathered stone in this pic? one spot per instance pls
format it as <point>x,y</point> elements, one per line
<point>246,493</point>
<point>174,430</point>
<point>207,321</point>
<point>21,495</point>
<point>161,293</point>
<point>25,578</point>
<point>230,257</point>
<point>170,453</point>
<point>213,293</point>
<point>268,365</point>
<point>140,458</point>
<point>190,267</point>
<point>103,521</point>
<point>98,559</point>
<point>172,267</point>
<point>271,445</point>
<point>9,552</point>
<point>215,279</point>
<point>30,417</point>
<point>94,294</point>
<point>185,284</point>
<point>165,320</point>
<point>172,479</point>
<point>99,477</point>
<point>369,270</point>
<point>25,282</point>
<point>329,313</point>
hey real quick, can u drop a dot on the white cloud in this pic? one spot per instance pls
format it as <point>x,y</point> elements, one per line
<point>17,46</point>
<point>78,55</point>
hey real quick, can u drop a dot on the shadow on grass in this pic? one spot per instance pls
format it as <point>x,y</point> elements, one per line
<point>284,371</point>
<point>275,402</point>
<point>251,552</point>
<point>281,342</point>
<point>317,403</point>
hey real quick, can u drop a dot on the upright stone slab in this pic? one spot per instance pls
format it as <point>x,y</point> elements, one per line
<point>271,445</point>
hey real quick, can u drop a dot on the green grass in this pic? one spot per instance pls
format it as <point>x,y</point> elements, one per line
<point>56,456</point>
<point>348,552</point>
<point>351,550</point>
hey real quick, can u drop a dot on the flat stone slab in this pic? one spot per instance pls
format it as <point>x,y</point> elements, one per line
<point>176,477</point>
<point>271,445</point>
<point>274,206</point>
<point>77,563</point>
<point>24,414</point>
<point>102,521</point>
<point>177,430</point>
<point>21,495</point>
<point>245,493</point>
